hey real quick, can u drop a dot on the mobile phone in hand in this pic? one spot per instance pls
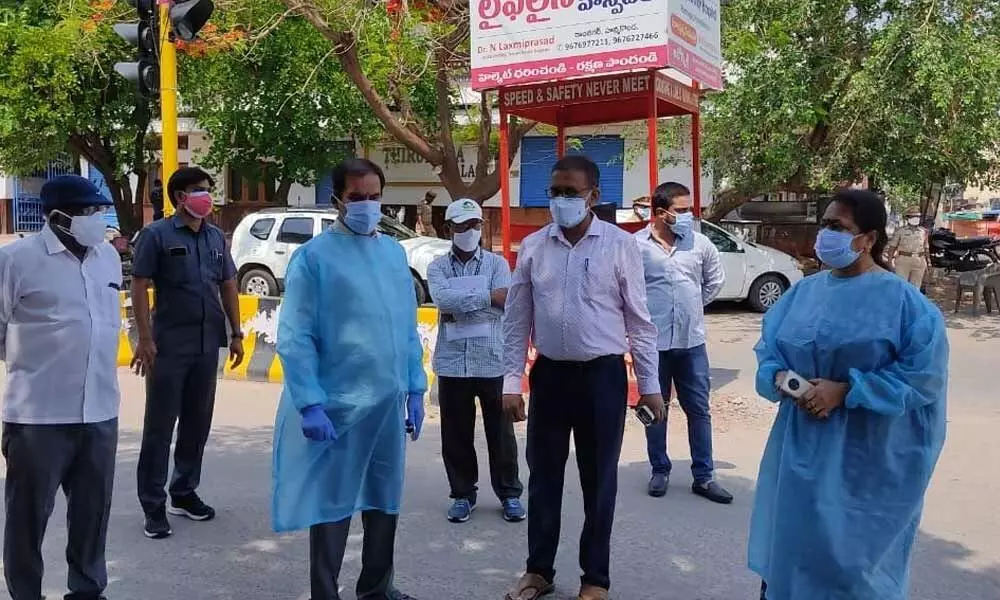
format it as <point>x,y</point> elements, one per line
<point>645,415</point>
<point>795,385</point>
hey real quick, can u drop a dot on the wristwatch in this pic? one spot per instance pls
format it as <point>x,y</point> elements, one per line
<point>237,335</point>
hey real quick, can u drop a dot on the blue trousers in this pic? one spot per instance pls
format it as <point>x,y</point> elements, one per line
<point>589,400</point>
<point>687,370</point>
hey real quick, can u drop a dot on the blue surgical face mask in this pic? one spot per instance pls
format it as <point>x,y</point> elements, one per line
<point>643,212</point>
<point>683,224</point>
<point>362,216</point>
<point>568,212</point>
<point>834,248</point>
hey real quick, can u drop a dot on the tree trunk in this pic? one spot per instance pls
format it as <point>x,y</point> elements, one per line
<point>281,194</point>
<point>725,202</point>
<point>121,195</point>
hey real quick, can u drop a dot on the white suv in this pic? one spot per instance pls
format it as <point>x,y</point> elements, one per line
<point>755,273</point>
<point>264,241</point>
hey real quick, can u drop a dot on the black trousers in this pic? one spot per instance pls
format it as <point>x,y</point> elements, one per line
<point>327,545</point>
<point>180,391</point>
<point>588,399</point>
<point>457,397</point>
<point>80,458</point>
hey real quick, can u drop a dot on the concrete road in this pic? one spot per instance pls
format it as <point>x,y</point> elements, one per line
<point>679,547</point>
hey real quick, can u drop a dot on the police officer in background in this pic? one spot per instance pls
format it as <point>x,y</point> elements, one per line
<point>60,317</point>
<point>908,249</point>
<point>186,261</point>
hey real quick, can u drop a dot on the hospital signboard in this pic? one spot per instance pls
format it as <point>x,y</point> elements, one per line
<point>526,41</point>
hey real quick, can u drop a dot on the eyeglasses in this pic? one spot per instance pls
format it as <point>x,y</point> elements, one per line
<point>567,192</point>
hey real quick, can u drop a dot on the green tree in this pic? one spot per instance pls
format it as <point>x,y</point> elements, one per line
<point>408,59</point>
<point>823,92</point>
<point>278,98</point>
<point>59,95</point>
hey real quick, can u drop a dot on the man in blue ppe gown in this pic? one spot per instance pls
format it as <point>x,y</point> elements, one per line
<point>354,384</point>
<point>842,480</point>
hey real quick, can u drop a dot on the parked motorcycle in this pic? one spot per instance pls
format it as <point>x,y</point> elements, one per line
<point>951,253</point>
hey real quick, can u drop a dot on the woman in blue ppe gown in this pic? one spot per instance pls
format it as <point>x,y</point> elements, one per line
<point>843,477</point>
<point>353,371</point>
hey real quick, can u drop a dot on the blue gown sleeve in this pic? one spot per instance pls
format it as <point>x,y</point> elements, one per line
<point>418,378</point>
<point>769,363</point>
<point>917,378</point>
<point>298,335</point>
<point>417,383</point>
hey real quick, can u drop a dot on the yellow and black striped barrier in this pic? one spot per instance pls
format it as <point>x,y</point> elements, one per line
<point>259,318</point>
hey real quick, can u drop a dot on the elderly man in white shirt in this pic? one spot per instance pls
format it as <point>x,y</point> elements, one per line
<point>578,293</point>
<point>683,273</point>
<point>59,324</point>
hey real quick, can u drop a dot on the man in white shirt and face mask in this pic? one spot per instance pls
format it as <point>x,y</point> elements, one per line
<point>469,286</point>
<point>60,319</point>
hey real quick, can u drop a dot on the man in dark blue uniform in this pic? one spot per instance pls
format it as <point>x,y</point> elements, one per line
<point>186,261</point>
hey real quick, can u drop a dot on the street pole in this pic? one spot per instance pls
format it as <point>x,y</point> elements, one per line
<point>168,101</point>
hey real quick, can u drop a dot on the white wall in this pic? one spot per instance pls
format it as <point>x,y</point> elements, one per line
<point>679,170</point>
<point>6,186</point>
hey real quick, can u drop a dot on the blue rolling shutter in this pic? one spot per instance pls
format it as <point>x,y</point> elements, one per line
<point>538,154</point>
<point>95,177</point>
<point>324,190</point>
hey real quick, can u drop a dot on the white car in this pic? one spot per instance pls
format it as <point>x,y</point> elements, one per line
<point>264,241</point>
<point>755,273</point>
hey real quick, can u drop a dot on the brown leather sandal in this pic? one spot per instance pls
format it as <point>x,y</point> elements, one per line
<point>592,592</point>
<point>530,587</point>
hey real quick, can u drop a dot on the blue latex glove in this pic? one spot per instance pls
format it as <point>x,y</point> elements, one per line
<point>415,414</point>
<point>316,425</point>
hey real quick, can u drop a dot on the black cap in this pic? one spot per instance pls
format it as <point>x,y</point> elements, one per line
<point>71,191</point>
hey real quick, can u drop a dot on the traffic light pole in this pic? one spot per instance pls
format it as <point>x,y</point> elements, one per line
<point>168,99</point>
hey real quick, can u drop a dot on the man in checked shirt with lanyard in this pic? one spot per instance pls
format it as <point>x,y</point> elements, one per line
<point>469,286</point>
<point>578,292</point>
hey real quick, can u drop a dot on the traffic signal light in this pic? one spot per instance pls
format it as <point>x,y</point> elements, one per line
<point>143,36</point>
<point>189,16</point>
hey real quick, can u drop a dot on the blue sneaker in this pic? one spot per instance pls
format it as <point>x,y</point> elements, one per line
<point>461,511</point>
<point>513,511</point>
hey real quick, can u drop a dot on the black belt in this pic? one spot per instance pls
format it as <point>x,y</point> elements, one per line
<point>609,358</point>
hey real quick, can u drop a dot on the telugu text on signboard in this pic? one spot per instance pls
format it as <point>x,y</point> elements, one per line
<point>525,41</point>
<point>694,40</point>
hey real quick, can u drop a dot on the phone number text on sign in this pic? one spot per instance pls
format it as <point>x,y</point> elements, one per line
<point>526,41</point>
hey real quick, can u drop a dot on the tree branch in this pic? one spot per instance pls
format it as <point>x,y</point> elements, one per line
<point>347,51</point>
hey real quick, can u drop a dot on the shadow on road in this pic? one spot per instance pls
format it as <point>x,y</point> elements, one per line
<point>678,547</point>
<point>981,327</point>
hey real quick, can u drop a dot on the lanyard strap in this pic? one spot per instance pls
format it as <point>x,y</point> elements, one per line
<point>479,265</point>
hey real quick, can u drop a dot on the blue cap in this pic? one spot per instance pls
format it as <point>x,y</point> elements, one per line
<point>71,191</point>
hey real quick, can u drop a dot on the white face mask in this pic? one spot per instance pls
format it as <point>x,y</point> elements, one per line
<point>467,241</point>
<point>87,230</point>
<point>913,221</point>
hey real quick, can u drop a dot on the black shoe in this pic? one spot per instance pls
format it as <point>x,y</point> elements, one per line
<point>192,507</point>
<point>398,595</point>
<point>157,526</point>
<point>712,491</point>
<point>658,484</point>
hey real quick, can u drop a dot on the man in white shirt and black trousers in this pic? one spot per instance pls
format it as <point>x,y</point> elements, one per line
<point>60,317</point>
<point>579,294</point>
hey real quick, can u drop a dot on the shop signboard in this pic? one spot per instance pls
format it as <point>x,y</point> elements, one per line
<point>525,41</point>
<point>694,40</point>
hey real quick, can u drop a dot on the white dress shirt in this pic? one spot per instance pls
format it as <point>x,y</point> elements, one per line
<point>59,324</point>
<point>578,303</point>
<point>679,283</point>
